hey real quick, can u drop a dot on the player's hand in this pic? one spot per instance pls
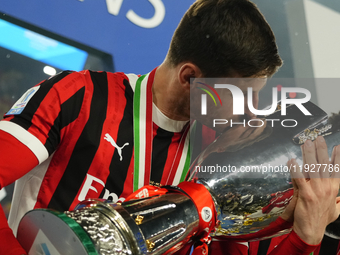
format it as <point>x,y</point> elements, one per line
<point>316,199</point>
<point>288,214</point>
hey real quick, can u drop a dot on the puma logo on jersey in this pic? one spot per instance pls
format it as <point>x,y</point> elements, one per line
<point>113,143</point>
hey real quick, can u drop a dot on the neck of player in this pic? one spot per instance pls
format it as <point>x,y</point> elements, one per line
<point>168,94</point>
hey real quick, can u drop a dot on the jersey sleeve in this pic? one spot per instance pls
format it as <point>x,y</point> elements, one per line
<point>228,247</point>
<point>16,159</point>
<point>217,247</point>
<point>293,244</point>
<point>38,118</point>
<point>9,244</point>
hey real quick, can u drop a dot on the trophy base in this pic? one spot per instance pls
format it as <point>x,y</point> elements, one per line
<point>44,232</point>
<point>156,225</point>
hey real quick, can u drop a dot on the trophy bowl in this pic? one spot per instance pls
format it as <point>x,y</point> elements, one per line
<point>250,181</point>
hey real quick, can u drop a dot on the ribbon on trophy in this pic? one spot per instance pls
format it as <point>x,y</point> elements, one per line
<point>202,200</point>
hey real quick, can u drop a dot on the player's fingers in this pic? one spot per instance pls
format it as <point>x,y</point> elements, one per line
<point>305,173</point>
<point>294,184</point>
<point>298,178</point>
<point>336,165</point>
<point>337,200</point>
<point>333,155</point>
<point>321,150</point>
<point>337,210</point>
<point>322,166</point>
<point>310,161</point>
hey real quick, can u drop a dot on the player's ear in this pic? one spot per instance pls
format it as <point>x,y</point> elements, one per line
<point>186,72</point>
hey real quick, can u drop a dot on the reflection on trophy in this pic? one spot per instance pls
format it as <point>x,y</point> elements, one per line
<point>233,191</point>
<point>155,225</point>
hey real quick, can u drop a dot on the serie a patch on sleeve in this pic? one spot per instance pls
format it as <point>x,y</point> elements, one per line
<point>20,105</point>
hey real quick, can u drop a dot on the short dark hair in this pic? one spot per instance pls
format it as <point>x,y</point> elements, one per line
<point>224,37</point>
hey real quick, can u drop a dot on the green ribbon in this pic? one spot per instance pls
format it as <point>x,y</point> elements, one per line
<point>136,122</point>
<point>79,231</point>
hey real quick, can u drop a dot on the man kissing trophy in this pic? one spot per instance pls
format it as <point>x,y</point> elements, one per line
<point>234,191</point>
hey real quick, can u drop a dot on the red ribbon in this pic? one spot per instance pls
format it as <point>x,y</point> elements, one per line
<point>146,191</point>
<point>203,201</point>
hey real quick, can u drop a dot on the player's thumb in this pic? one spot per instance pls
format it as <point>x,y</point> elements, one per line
<point>337,209</point>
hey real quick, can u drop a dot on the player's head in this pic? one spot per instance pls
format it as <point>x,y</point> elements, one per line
<point>225,38</point>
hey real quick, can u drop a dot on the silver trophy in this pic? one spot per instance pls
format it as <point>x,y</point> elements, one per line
<point>157,225</point>
<point>244,202</point>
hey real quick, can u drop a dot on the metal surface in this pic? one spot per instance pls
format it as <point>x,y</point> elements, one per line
<point>105,236</point>
<point>254,187</point>
<point>168,222</point>
<point>44,232</point>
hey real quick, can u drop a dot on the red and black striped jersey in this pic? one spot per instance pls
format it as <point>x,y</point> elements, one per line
<point>79,125</point>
